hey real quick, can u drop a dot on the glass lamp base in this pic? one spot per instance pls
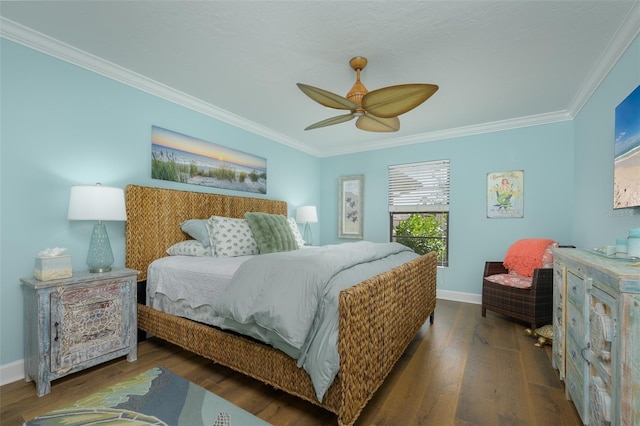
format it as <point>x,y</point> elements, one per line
<point>307,236</point>
<point>100,256</point>
<point>94,271</point>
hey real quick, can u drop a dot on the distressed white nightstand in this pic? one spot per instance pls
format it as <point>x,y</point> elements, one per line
<point>78,322</point>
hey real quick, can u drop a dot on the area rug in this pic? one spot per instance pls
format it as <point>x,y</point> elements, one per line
<point>155,397</point>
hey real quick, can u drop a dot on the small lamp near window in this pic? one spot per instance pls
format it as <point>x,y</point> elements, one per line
<point>101,203</point>
<point>307,215</point>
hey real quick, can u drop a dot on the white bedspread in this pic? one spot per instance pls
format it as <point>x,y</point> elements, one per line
<point>207,278</point>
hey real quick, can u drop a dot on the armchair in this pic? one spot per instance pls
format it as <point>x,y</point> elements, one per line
<point>522,285</point>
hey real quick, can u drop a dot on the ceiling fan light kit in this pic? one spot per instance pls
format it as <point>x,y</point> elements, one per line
<point>377,111</point>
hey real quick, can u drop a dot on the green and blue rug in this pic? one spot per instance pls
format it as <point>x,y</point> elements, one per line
<point>155,397</point>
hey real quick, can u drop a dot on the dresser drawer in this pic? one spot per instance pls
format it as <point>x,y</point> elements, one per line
<point>575,355</point>
<point>575,290</point>
<point>575,323</point>
<point>575,390</point>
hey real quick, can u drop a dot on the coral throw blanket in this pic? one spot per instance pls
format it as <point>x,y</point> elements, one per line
<point>526,255</point>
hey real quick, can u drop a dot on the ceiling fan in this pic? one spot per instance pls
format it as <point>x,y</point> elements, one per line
<point>377,111</point>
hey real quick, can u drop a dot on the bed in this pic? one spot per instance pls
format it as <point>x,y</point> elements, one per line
<point>377,317</point>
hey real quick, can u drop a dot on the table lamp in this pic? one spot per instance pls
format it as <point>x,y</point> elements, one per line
<point>100,203</point>
<point>307,215</point>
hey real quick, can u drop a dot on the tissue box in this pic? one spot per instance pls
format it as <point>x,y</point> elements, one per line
<point>53,268</point>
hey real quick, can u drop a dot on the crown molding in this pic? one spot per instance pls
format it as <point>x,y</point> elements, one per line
<point>49,46</point>
<point>477,129</point>
<point>20,34</point>
<point>624,37</point>
<point>626,34</point>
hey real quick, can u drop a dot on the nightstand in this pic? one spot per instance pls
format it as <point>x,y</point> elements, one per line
<point>78,322</point>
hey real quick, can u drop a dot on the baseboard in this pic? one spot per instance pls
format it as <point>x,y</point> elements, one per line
<point>12,372</point>
<point>459,296</point>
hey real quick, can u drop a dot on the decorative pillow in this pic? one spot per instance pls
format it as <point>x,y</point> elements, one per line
<point>232,237</point>
<point>212,231</point>
<point>526,255</point>
<point>511,280</point>
<point>197,229</point>
<point>296,232</point>
<point>272,232</point>
<point>189,248</point>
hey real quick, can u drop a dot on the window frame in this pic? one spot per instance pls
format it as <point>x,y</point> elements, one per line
<point>421,188</point>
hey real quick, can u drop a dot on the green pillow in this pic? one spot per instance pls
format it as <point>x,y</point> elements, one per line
<point>272,232</point>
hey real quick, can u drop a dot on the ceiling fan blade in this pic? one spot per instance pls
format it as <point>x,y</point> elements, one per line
<point>395,100</point>
<point>331,121</point>
<point>326,98</point>
<point>371,123</point>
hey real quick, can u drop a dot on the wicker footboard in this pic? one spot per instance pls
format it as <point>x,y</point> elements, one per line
<point>378,319</point>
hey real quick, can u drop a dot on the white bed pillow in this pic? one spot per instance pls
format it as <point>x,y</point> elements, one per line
<point>231,237</point>
<point>296,232</point>
<point>189,248</point>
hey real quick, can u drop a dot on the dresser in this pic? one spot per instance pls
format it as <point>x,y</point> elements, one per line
<point>78,322</point>
<point>596,335</point>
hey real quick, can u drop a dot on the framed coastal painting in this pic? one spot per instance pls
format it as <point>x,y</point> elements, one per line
<point>626,165</point>
<point>181,158</point>
<point>350,219</point>
<point>505,194</point>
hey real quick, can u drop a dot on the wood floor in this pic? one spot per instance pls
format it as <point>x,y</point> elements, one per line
<point>461,370</point>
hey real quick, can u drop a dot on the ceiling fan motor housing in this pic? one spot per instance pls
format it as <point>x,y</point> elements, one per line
<point>358,90</point>
<point>376,111</point>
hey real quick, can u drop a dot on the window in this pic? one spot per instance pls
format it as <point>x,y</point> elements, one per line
<point>419,207</point>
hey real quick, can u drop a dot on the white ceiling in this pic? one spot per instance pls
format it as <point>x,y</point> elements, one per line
<point>499,64</point>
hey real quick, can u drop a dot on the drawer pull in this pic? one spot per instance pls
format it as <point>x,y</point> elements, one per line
<point>56,325</point>
<point>582,353</point>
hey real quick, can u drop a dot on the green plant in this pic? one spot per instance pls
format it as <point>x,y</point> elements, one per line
<point>254,176</point>
<point>423,233</point>
<point>223,172</point>
<point>164,166</point>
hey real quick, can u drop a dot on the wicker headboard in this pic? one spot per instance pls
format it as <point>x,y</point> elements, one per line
<point>154,216</point>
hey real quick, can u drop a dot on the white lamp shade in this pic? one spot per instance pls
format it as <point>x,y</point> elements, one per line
<point>306,214</point>
<point>96,202</point>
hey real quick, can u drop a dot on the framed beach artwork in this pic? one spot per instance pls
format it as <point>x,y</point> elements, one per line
<point>626,166</point>
<point>505,194</point>
<point>181,158</point>
<point>350,219</point>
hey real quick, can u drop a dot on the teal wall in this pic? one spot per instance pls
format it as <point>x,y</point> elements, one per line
<point>568,183</point>
<point>62,125</point>
<point>595,223</point>
<point>543,152</point>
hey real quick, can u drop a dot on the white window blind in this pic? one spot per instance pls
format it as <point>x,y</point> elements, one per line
<point>419,187</point>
